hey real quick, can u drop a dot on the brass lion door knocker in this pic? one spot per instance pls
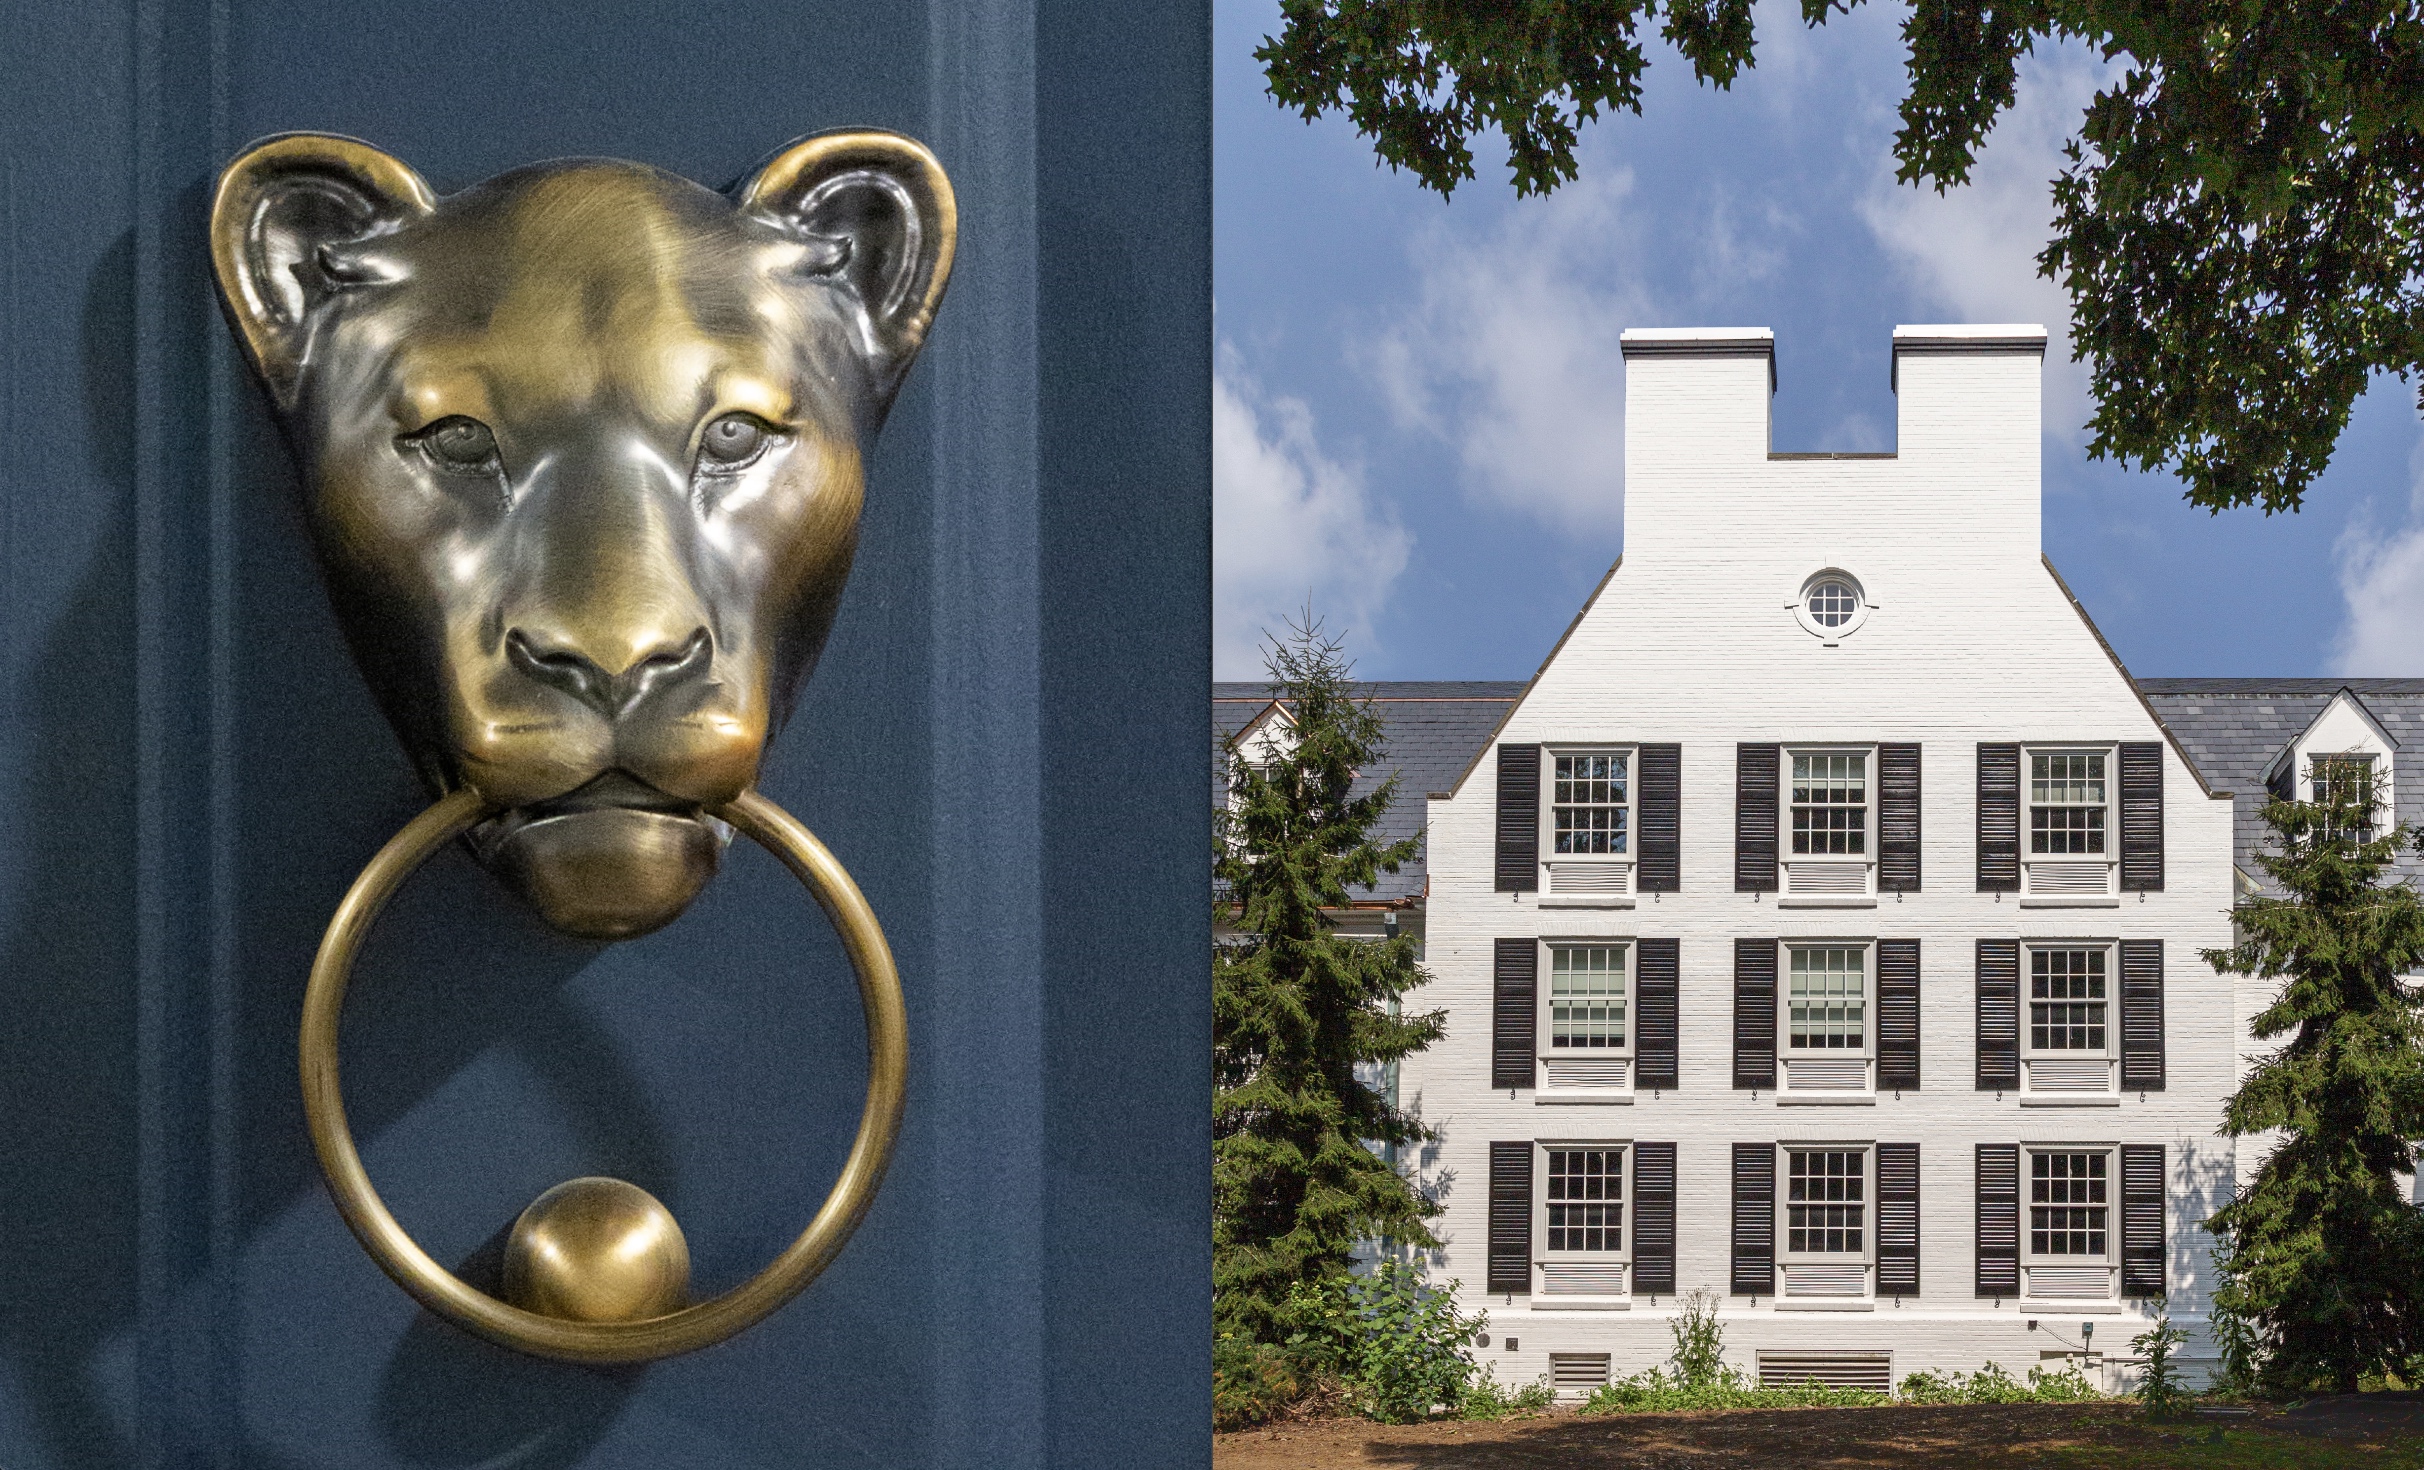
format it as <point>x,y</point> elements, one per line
<point>582,453</point>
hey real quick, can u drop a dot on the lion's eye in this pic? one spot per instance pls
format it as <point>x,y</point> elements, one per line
<point>733,440</point>
<point>462,444</point>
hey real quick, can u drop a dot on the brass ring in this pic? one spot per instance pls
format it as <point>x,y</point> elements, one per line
<point>693,1327</point>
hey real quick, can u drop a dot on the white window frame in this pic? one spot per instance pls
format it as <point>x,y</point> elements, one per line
<point>2059,1082</point>
<point>1589,873</point>
<point>1824,1080</point>
<point>1593,1285</point>
<point>2032,1291</point>
<point>2070,874</point>
<point>1827,875</point>
<point>1825,1289</point>
<point>1585,1084</point>
<point>2370,762</point>
<point>1800,605</point>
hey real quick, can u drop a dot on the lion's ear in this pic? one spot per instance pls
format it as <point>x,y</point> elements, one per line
<point>281,230</point>
<point>881,208</point>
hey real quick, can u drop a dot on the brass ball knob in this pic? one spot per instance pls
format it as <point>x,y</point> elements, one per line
<point>597,1250</point>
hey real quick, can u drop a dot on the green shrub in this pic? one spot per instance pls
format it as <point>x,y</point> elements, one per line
<point>1993,1385</point>
<point>1252,1382</point>
<point>1486,1398</point>
<point>1400,1348</point>
<point>1654,1392</point>
<point>2160,1389</point>
<point>1699,1355</point>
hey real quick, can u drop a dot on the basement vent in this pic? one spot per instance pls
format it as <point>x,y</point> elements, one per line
<point>1871,1371</point>
<point>1577,1372</point>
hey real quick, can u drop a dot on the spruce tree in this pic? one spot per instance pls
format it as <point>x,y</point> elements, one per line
<point>2322,1254</point>
<point>1298,1009</point>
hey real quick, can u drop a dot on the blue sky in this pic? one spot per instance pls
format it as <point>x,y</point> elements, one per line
<point>1419,404</point>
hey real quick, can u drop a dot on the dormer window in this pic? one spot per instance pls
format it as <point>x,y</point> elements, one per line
<point>2346,779</point>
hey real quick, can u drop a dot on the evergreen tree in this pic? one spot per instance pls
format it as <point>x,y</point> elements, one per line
<point>2322,1255</point>
<point>1297,1008</point>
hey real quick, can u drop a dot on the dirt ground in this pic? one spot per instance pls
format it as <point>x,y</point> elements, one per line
<point>2021,1436</point>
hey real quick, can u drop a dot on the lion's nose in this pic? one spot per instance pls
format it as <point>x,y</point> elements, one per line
<point>612,692</point>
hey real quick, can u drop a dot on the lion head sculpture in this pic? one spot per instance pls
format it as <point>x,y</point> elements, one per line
<point>582,452</point>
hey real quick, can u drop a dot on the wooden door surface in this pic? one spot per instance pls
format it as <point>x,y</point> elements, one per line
<point>1005,742</point>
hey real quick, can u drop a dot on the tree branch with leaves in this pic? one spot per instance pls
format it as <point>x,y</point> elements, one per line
<point>2240,221</point>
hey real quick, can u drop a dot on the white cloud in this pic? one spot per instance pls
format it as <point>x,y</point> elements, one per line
<point>1509,352</point>
<point>2382,580</point>
<point>1291,527</point>
<point>1972,252</point>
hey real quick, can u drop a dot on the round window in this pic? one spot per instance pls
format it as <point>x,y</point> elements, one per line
<point>1832,602</point>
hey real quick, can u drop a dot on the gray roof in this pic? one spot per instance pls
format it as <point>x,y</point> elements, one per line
<point>2234,729</point>
<point>1434,727</point>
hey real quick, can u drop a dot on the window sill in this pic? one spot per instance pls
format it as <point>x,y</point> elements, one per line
<point>2070,1099</point>
<point>1824,901</point>
<point>1816,1098</point>
<point>2058,1306</point>
<point>1542,1303</point>
<point>1553,1096</point>
<point>2069,901</point>
<point>1586,901</point>
<point>1805,1304</point>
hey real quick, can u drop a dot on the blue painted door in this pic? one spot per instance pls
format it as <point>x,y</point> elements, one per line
<point>1005,742</point>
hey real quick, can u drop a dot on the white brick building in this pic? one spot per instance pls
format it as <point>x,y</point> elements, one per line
<point>1822,923</point>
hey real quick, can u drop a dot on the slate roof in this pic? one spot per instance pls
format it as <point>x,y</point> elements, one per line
<point>1434,727</point>
<point>2234,728</point>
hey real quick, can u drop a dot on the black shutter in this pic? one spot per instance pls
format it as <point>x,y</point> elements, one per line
<point>1897,1015</point>
<point>1998,1015</point>
<point>1897,1219</point>
<point>2142,1015</point>
<point>1998,819</point>
<point>1655,982</point>
<point>1653,1218</point>
<point>1514,1013</point>
<point>1999,1219</point>
<point>1519,819</point>
<point>1897,818</point>
<point>2142,1264</point>
<point>1755,1014</point>
<point>1660,795</point>
<point>2142,816</point>
<point>1755,798</point>
<point>1511,1217</point>
<point>1754,1219</point>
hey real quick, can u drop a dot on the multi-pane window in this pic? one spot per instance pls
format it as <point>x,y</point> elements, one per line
<point>2066,803</point>
<point>1827,999</point>
<point>2066,999</point>
<point>1826,1201</point>
<point>1589,804</point>
<point>1586,1199</point>
<point>1586,995</point>
<point>2346,781</point>
<point>2067,1204</point>
<point>1830,803</point>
